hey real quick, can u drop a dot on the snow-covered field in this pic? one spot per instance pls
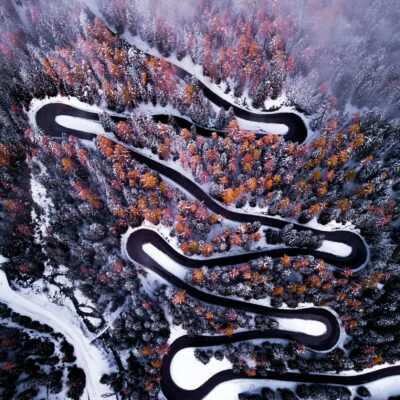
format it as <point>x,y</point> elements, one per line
<point>189,373</point>
<point>82,124</point>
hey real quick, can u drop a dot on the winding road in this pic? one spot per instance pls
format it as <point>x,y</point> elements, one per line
<point>141,236</point>
<point>356,259</point>
<point>134,247</point>
<point>297,130</point>
<point>67,110</point>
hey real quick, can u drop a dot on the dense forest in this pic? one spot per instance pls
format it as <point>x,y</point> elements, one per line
<point>66,203</point>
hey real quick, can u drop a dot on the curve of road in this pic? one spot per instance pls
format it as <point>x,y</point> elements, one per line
<point>297,130</point>
<point>141,236</point>
<point>356,259</point>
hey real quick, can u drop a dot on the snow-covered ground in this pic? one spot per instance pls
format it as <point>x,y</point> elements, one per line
<point>82,124</point>
<point>339,249</point>
<point>39,196</point>
<point>89,358</point>
<point>189,373</point>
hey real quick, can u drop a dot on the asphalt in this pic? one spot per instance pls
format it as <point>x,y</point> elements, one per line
<point>65,109</point>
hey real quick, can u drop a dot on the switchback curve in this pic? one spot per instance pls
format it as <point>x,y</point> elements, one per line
<point>297,130</point>
<point>141,236</point>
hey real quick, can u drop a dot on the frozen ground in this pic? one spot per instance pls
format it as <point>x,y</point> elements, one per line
<point>189,373</point>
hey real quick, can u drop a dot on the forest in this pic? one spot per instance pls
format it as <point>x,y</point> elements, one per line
<point>67,203</point>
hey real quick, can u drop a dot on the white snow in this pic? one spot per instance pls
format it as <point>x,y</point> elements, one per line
<point>189,373</point>
<point>262,127</point>
<point>230,390</point>
<point>382,389</point>
<point>96,322</point>
<point>310,327</point>
<point>39,196</point>
<point>89,358</point>
<point>81,124</point>
<point>164,260</point>
<point>339,249</point>
<point>82,299</point>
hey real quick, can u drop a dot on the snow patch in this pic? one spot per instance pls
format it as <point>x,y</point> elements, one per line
<point>39,196</point>
<point>307,326</point>
<point>81,124</point>
<point>3,259</point>
<point>338,249</point>
<point>163,259</point>
<point>189,373</point>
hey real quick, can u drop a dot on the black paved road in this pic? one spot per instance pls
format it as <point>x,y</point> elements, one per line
<point>53,109</point>
<point>65,109</point>
<point>134,248</point>
<point>297,130</point>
